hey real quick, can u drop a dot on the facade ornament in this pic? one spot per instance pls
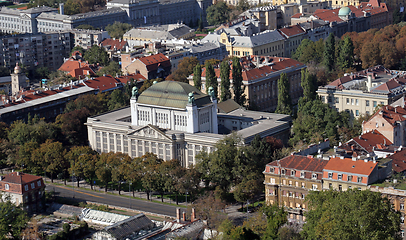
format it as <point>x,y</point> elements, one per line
<point>211,93</point>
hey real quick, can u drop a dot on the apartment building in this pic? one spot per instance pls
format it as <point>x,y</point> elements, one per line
<point>260,80</point>
<point>24,190</point>
<point>342,173</point>
<point>391,122</point>
<point>361,92</point>
<point>289,180</point>
<point>35,50</point>
<point>294,35</point>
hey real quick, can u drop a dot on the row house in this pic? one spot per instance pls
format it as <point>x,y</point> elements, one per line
<point>289,180</point>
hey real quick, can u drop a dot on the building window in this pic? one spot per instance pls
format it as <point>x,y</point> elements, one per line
<point>271,170</point>
<point>314,186</point>
<point>356,113</point>
<point>330,185</point>
<point>349,187</point>
<point>314,175</point>
<point>283,171</point>
<point>352,101</point>
<point>303,185</point>
<point>402,206</point>
<point>26,187</point>
<point>290,194</point>
<point>340,176</point>
<point>290,183</point>
<point>273,180</point>
<point>374,103</point>
<point>348,101</point>
<point>349,178</point>
<point>292,173</point>
<point>7,187</point>
<point>356,102</point>
<point>283,182</point>
<point>340,188</point>
<point>367,103</point>
<point>302,174</point>
<point>32,185</point>
<point>336,100</point>
<point>359,179</point>
<point>330,175</point>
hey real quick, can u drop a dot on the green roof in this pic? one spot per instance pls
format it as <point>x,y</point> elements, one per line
<point>172,94</point>
<point>344,11</point>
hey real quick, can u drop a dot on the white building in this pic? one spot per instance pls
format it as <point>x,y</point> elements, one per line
<point>175,120</point>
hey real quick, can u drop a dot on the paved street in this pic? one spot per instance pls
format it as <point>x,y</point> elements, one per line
<point>101,197</point>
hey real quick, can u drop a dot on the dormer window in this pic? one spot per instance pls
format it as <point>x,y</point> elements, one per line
<point>314,175</point>
<point>330,175</point>
<point>292,173</point>
<point>271,170</point>
<point>283,171</point>
<point>302,174</point>
<point>7,187</point>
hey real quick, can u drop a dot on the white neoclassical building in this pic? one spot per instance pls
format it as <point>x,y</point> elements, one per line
<point>176,120</point>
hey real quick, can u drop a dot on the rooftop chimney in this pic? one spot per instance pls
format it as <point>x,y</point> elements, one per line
<point>61,9</point>
<point>184,216</point>
<point>369,83</point>
<point>178,214</point>
<point>193,217</point>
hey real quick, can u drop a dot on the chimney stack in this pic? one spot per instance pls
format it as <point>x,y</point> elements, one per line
<point>193,217</point>
<point>178,214</point>
<point>184,216</point>
<point>61,9</point>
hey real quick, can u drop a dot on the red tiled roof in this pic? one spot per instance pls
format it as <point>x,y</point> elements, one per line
<point>251,73</point>
<point>347,165</point>
<point>291,31</point>
<point>372,139</point>
<point>390,114</point>
<point>388,86</point>
<point>22,179</point>
<point>125,79</point>
<point>114,43</point>
<point>152,62</point>
<point>301,163</point>
<point>297,15</point>
<point>104,83</point>
<point>82,72</point>
<point>399,161</point>
<point>328,15</point>
<point>72,64</point>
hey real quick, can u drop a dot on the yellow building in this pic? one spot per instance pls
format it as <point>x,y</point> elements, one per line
<point>289,180</point>
<point>267,43</point>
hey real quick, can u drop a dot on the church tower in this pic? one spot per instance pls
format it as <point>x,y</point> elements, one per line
<point>18,80</point>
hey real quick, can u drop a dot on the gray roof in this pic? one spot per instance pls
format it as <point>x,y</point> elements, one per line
<point>129,226</point>
<point>97,13</point>
<point>40,9</point>
<point>5,79</point>
<point>161,32</point>
<point>53,16</point>
<point>127,1</point>
<point>164,2</point>
<point>10,11</point>
<point>253,41</point>
<point>228,106</point>
<point>172,94</point>
<point>206,46</point>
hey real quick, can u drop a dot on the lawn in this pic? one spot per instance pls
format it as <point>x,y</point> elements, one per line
<point>18,6</point>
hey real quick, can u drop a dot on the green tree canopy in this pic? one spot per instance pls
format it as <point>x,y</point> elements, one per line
<point>368,216</point>
<point>217,13</point>
<point>13,220</point>
<point>86,26</point>
<point>346,55</point>
<point>185,68</point>
<point>113,69</point>
<point>225,80</point>
<point>96,55</point>
<point>117,29</point>
<point>284,99</point>
<point>329,52</point>
<point>211,79</point>
<point>197,76</point>
<point>239,96</point>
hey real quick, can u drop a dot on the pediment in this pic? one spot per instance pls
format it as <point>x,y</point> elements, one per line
<point>149,131</point>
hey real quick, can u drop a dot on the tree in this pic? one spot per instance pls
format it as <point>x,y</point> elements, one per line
<point>113,69</point>
<point>72,7</point>
<point>118,170</point>
<point>103,169</point>
<point>368,215</point>
<point>197,76</point>
<point>117,100</point>
<point>231,232</point>
<point>72,126</point>
<point>346,56</point>
<point>96,55</point>
<point>149,164</point>
<point>51,156</point>
<point>243,5</point>
<point>309,85</point>
<point>225,80</point>
<point>79,49</point>
<point>217,167</point>
<point>276,218</point>
<point>239,96</point>
<point>81,158</point>
<point>13,220</point>
<point>217,13</point>
<point>211,79</point>
<point>208,208</point>
<point>185,68</point>
<point>4,71</point>
<point>329,52</point>
<point>41,72</point>
<point>117,29</point>
<point>284,100</point>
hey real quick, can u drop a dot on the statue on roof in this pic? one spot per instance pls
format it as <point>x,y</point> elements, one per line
<point>211,93</point>
<point>134,92</point>
<point>191,98</point>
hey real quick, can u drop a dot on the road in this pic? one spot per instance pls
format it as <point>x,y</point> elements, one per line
<point>99,197</point>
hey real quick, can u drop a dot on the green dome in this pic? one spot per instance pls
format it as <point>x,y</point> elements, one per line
<point>172,94</point>
<point>344,11</point>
